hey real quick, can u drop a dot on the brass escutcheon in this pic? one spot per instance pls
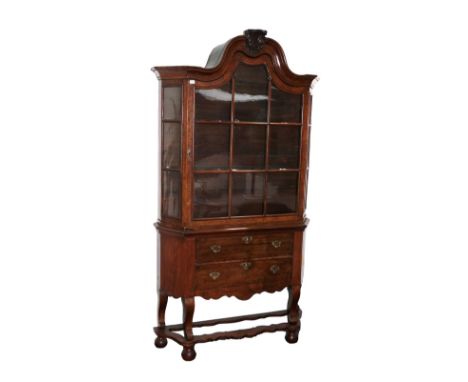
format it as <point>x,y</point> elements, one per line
<point>274,269</point>
<point>215,248</point>
<point>276,243</point>
<point>247,239</point>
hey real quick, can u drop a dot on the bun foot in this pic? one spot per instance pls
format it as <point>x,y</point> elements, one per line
<point>188,354</point>
<point>160,342</point>
<point>291,337</point>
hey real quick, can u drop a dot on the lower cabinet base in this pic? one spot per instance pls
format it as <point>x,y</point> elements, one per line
<point>188,340</point>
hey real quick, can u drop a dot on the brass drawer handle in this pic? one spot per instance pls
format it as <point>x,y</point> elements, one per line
<point>215,248</point>
<point>276,243</point>
<point>214,275</point>
<point>246,266</point>
<point>247,239</point>
<point>274,269</point>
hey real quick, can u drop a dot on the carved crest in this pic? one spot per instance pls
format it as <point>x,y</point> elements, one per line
<point>255,39</point>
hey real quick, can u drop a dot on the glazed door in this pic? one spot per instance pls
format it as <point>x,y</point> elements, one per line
<point>246,149</point>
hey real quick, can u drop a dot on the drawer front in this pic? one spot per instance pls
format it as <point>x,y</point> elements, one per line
<point>265,272</point>
<point>220,248</point>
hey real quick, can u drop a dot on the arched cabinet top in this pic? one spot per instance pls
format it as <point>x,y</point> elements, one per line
<point>252,48</point>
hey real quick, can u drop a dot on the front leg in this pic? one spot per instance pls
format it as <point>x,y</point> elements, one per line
<point>294,314</point>
<point>188,304</point>
<point>161,341</point>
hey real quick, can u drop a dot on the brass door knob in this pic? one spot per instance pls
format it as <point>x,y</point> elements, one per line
<point>246,265</point>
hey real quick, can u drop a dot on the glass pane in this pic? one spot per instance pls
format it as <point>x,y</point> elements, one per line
<point>285,107</point>
<point>247,194</point>
<point>210,195</point>
<point>251,97</point>
<point>171,194</point>
<point>249,147</point>
<point>281,192</point>
<point>213,104</point>
<point>171,145</point>
<point>172,102</point>
<point>284,146</point>
<point>211,146</point>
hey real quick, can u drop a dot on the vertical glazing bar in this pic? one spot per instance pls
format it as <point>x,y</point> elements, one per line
<point>187,127</point>
<point>304,153</point>
<point>267,148</point>
<point>161,147</point>
<point>231,147</point>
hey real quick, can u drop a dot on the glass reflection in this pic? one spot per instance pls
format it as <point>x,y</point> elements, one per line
<point>251,96</point>
<point>213,104</point>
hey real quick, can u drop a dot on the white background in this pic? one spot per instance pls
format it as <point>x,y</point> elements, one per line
<point>385,288</point>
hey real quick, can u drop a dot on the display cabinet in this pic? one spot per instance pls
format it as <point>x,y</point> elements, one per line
<point>234,153</point>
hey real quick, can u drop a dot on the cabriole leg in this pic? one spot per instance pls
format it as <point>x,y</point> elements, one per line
<point>294,315</point>
<point>161,342</point>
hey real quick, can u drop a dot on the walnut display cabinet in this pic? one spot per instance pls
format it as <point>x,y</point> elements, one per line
<point>234,143</point>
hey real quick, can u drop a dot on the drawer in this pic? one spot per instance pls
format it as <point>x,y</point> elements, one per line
<point>232,247</point>
<point>265,272</point>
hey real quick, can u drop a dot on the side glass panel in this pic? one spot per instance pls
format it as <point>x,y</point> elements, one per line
<point>249,147</point>
<point>172,102</point>
<point>211,146</point>
<point>171,194</point>
<point>281,192</point>
<point>251,95</point>
<point>171,145</point>
<point>213,104</point>
<point>284,147</point>
<point>247,194</point>
<point>285,107</point>
<point>210,195</point>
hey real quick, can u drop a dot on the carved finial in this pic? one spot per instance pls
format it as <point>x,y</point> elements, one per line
<point>255,39</point>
